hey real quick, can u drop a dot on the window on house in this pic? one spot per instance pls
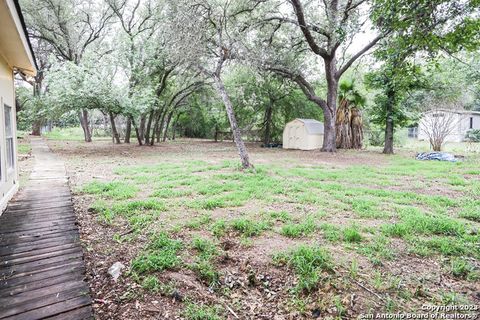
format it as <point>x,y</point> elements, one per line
<point>10,152</point>
<point>471,122</point>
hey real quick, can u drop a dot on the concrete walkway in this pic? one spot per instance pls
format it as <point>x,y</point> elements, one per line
<point>41,261</point>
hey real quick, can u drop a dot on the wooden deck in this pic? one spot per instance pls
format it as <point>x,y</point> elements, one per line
<point>41,261</point>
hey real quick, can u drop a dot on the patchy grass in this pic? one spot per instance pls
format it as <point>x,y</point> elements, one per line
<point>307,262</point>
<point>114,190</point>
<point>24,148</point>
<point>204,266</point>
<point>327,221</point>
<point>248,227</point>
<point>295,230</point>
<point>463,269</point>
<point>352,234</point>
<point>65,134</point>
<point>195,311</point>
<point>162,254</point>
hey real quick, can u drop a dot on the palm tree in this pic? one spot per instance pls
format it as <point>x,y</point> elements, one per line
<point>349,123</point>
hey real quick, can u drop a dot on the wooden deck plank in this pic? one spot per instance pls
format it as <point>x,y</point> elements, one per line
<point>47,306</point>
<point>31,236</point>
<point>22,209</point>
<point>41,256</point>
<point>38,244</point>
<point>42,270</point>
<point>55,248</point>
<point>84,313</point>
<point>39,264</point>
<point>35,214</point>
<point>66,225</point>
<point>54,289</point>
<point>41,283</point>
<point>51,272</point>
<point>36,224</point>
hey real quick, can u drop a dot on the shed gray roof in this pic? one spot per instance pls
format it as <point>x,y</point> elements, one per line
<point>313,126</point>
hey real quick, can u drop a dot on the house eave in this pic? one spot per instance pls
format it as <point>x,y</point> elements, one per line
<point>15,47</point>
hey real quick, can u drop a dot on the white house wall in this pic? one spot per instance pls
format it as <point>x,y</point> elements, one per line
<point>459,126</point>
<point>9,180</point>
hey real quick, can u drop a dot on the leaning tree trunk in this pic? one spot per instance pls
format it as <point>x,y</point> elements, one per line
<point>389,124</point>
<point>161,125</point>
<point>242,150</point>
<point>137,132</point>
<point>115,135</point>
<point>169,118</point>
<point>174,128</point>
<point>155,129</point>
<point>149,127</point>
<point>83,117</point>
<point>128,130</point>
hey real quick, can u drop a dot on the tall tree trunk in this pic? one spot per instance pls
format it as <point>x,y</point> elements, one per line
<point>128,131</point>
<point>83,117</point>
<point>106,120</point>
<point>36,128</point>
<point>115,135</point>
<point>329,135</point>
<point>149,126</point>
<point>216,132</point>
<point>169,118</point>
<point>155,128</point>
<point>242,150</point>
<point>37,89</point>
<point>137,132</point>
<point>174,129</point>
<point>161,125</point>
<point>268,123</point>
<point>141,129</point>
<point>389,124</point>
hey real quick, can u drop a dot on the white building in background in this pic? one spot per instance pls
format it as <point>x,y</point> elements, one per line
<point>456,122</point>
<point>15,55</point>
<point>303,134</point>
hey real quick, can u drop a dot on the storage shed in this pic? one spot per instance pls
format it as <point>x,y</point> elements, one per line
<point>303,134</point>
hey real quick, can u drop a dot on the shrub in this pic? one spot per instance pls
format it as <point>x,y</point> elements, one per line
<point>473,135</point>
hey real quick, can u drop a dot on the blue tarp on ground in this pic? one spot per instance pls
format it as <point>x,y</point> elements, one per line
<point>439,156</point>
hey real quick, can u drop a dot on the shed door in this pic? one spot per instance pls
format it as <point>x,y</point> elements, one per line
<point>291,137</point>
<point>298,136</point>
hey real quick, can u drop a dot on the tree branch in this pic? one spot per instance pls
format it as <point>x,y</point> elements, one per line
<point>297,6</point>
<point>354,58</point>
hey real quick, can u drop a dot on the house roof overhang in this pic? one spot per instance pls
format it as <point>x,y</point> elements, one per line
<point>15,46</point>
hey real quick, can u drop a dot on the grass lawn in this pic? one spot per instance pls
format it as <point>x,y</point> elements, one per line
<point>304,235</point>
